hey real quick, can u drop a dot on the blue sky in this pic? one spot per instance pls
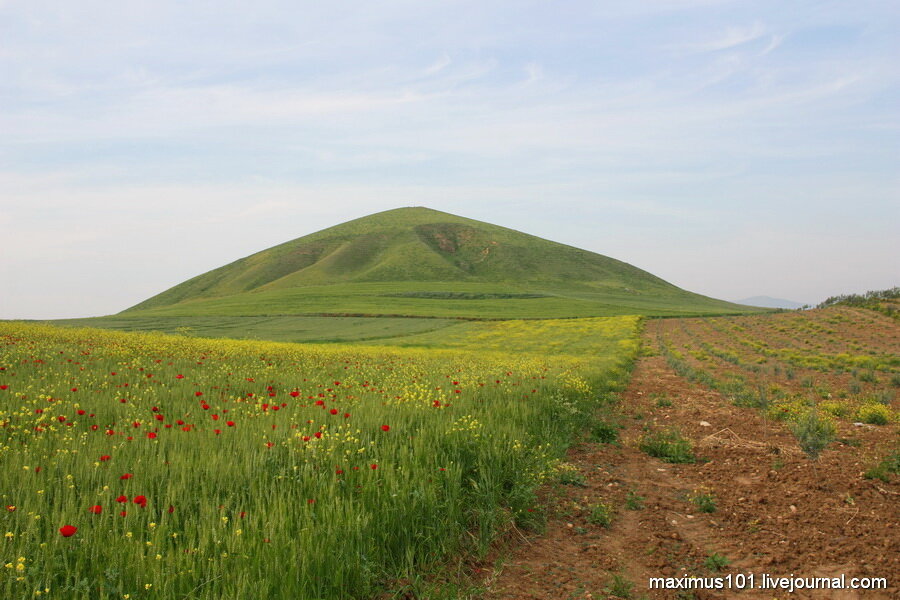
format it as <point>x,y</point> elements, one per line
<point>732,148</point>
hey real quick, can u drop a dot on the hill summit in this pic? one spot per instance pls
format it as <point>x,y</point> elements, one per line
<point>424,262</point>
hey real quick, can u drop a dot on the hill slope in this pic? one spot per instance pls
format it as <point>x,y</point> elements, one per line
<point>418,261</point>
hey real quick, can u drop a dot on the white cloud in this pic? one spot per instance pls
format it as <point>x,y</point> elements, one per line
<point>534,72</point>
<point>731,37</point>
<point>439,65</point>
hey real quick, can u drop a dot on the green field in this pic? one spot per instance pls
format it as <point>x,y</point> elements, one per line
<point>382,299</point>
<point>151,466</point>
<point>588,339</point>
<point>276,329</point>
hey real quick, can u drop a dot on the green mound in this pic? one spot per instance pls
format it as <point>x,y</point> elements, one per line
<point>423,262</point>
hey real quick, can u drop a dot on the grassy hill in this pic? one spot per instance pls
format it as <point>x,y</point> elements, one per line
<point>423,262</point>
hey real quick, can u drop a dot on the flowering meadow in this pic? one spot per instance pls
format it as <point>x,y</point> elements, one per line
<point>142,465</point>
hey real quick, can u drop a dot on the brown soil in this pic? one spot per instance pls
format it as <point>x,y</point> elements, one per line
<point>777,513</point>
<point>829,332</point>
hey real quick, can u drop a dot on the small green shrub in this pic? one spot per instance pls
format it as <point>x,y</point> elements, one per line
<point>572,478</point>
<point>715,562</point>
<point>601,514</point>
<point>633,501</point>
<point>837,409</point>
<point>874,414</point>
<point>889,465</point>
<point>884,396</point>
<point>604,432</point>
<point>619,586</point>
<point>669,446</point>
<point>704,501</point>
<point>813,433</point>
<point>869,377</point>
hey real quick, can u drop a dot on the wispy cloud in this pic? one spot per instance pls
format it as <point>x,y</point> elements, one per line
<point>731,37</point>
<point>439,65</point>
<point>533,72</point>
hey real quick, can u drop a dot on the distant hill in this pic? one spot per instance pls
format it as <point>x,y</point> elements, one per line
<point>423,262</point>
<point>769,302</point>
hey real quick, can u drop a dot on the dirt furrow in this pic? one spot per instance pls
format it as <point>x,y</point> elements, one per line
<point>771,510</point>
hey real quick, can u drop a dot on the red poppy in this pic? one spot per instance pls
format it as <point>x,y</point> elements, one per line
<point>293,394</point>
<point>198,394</point>
<point>122,499</point>
<point>105,457</point>
<point>151,435</point>
<point>385,427</point>
<point>68,530</point>
<point>230,423</point>
<point>334,411</point>
<point>140,500</point>
<point>171,509</point>
<point>126,476</point>
<point>179,376</point>
<point>123,513</point>
<point>96,509</point>
<point>374,466</point>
